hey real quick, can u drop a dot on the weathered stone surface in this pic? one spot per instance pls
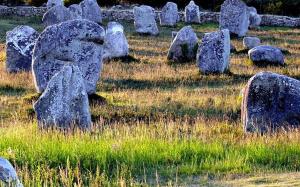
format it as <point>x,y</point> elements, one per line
<point>91,11</point>
<point>64,104</point>
<point>55,15</point>
<point>19,47</point>
<point>266,55</point>
<point>271,101</point>
<point>76,41</point>
<point>254,18</point>
<point>53,3</point>
<point>192,13</point>
<point>8,174</point>
<point>251,42</point>
<point>144,20</point>
<point>184,46</point>
<point>76,11</point>
<point>214,52</point>
<point>169,15</point>
<point>234,17</point>
<point>115,42</point>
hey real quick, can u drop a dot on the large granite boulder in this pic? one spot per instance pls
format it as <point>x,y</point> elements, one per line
<point>169,15</point>
<point>251,42</point>
<point>234,17</point>
<point>213,55</point>
<point>271,101</point>
<point>79,42</point>
<point>115,42</point>
<point>266,55</point>
<point>64,104</point>
<point>144,20</point>
<point>192,13</point>
<point>254,18</point>
<point>19,47</point>
<point>55,15</point>
<point>53,3</point>
<point>91,11</point>
<point>184,46</point>
<point>8,174</point>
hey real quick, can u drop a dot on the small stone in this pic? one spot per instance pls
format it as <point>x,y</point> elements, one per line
<point>266,55</point>
<point>251,42</point>
<point>8,174</point>
<point>53,3</point>
<point>144,20</point>
<point>169,15</point>
<point>255,18</point>
<point>192,13</point>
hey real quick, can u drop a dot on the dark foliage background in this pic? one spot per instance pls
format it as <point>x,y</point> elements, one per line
<point>282,7</point>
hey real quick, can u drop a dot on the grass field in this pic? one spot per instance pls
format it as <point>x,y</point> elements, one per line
<point>162,123</point>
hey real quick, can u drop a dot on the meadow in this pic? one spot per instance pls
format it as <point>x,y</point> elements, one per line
<point>159,123</point>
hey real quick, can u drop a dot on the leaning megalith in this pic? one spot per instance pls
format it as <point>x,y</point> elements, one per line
<point>64,104</point>
<point>19,47</point>
<point>79,42</point>
<point>213,55</point>
<point>144,20</point>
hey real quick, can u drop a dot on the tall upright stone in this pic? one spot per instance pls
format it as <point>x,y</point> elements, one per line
<point>56,15</point>
<point>79,42</point>
<point>144,20</point>
<point>192,13</point>
<point>234,17</point>
<point>91,11</point>
<point>184,46</point>
<point>19,48</point>
<point>64,104</point>
<point>214,52</point>
<point>169,15</point>
<point>53,3</point>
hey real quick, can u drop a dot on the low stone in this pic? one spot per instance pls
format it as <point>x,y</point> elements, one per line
<point>53,3</point>
<point>251,42</point>
<point>19,47</point>
<point>192,13</point>
<point>55,15</point>
<point>115,42</point>
<point>271,102</point>
<point>184,46</point>
<point>234,17</point>
<point>79,42</point>
<point>169,15</point>
<point>64,104</point>
<point>144,20</point>
<point>266,55</point>
<point>91,11</point>
<point>213,55</point>
<point>254,18</point>
<point>8,174</point>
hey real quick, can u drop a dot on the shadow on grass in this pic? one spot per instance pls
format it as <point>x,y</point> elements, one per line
<point>7,90</point>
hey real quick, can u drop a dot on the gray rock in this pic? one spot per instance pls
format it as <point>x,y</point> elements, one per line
<point>254,18</point>
<point>115,42</point>
<point>251,42</point>
<point>19,47</point>
<point>91,11</point>
<point>53,3</point>
<point>271,101</point>
<point>184,46</point>
<point>76,41</point>
<point>64,104</point>
<point>55,15</point>
<point>8,174</point>
<point>144,20</point>
<point>76,11</point>
<point>266,55</point>
<point>214,52</point>
<point>234,17</point>
<point>169,15</point>
<point>192,13</point>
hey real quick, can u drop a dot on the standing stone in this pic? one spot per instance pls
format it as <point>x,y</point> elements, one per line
<point>251,42</point>
<point>76,11</point>
<point>144,20</point>
<point>64,104</point>
<point>115,42</point>
<point>184,46</point>
<point>192,13</point>
<point>266,55</point>
<point>254,18</point>
<point>55,15</point>
<point>91,11</point>
<point>53,3</point>
<point>271,101</point>
<point>19,46</point>
<point>76,41</point>
<point>8,174</point>
<point>214,52</point>
<point>234,17</point>
<point>169,15</point>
